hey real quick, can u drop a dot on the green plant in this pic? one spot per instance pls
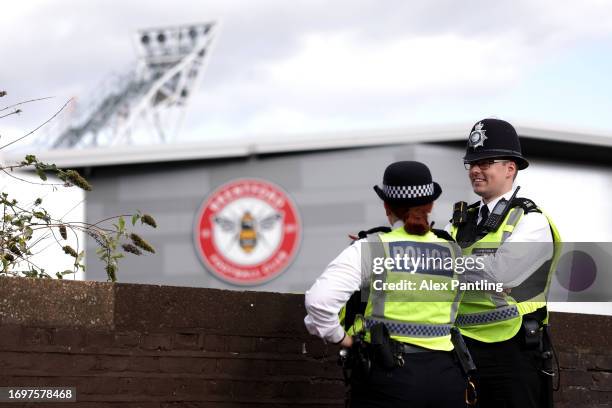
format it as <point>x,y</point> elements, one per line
<point>24,228</point>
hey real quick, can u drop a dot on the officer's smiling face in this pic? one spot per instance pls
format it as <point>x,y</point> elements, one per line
<point>491,180</point>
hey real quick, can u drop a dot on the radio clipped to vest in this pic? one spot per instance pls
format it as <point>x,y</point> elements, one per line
<point>497,216</point>
<point>460,213</point>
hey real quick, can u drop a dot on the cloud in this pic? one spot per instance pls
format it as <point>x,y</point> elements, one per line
<point>444,63</point>
<point>304,62</point>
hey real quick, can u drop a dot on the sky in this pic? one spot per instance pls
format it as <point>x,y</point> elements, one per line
<point>290,67</point>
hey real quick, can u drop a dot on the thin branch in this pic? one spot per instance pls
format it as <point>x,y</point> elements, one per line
<point>31,182</point>
<point>110,218</point>
<point>81,226</point>
<point>14,166</point>
<point>29,101</point>
<point>44,123</point>
<point>72,209</point>
<point>39,240</point>
<point>27,260</point>
<point>15,112</point>
<point>53,243</point>
<point>76,263</point>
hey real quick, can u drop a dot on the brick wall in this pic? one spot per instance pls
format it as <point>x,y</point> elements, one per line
<point>584,346</point>
<point>131,345</point>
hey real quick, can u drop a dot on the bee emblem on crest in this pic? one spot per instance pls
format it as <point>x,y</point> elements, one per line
<point>247,230</point>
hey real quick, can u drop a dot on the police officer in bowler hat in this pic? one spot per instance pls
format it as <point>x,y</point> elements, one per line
<point>507,332</point>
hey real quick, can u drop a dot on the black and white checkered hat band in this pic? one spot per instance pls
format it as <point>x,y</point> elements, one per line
<point>424,190</point>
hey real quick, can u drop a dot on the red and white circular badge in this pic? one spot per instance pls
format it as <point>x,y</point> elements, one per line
<point>247,231</point>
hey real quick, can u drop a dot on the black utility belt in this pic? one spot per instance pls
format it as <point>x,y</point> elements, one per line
<point>406,348</point>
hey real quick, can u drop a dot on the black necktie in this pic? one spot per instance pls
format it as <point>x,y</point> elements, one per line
<point>484,214</point>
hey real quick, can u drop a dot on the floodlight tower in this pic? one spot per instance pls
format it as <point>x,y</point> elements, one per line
<point>148,103</point>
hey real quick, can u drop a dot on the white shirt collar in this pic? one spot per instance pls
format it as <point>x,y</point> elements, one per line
<point>397,224</point>
<point>492,203</point>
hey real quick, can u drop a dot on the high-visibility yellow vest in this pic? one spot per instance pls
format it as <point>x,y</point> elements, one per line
<point>493,317</point>
<point>421,316</point>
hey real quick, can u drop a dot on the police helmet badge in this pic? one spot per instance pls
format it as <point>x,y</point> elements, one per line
<point>477,137</point>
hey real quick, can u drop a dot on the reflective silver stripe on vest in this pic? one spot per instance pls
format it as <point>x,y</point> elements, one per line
<point>496,315</point>
<point>371,248</point>
<point>513,219</point>
<point>376,297</point>
<point>499,300</point>
<point>411,329</point>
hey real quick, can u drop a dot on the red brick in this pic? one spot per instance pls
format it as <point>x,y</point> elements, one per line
<point>317,348</point>
<point>35,336</point>
<point>131,386</point>
<point>603,363</point>
<point>176,365</point>
<point>99,386</point>
<point>570,360</point>
<point>602,382</point>
<point>242,367</point>
<point>576,378</point>
<point>279,345</point>
<point>163,387</point>
<point>266,344</point>
<point>85,363</point>
<point>143,364</point>
<point>258,389</point>
<point>320,389</point>
<point>69,337</point>
<point>213,342</point>
<point>188,341</point>
<point>193,365</point>
<point>324,369</point>
<point>219,388</point>
<point>157,342</point>
<point>297,389</point>
<point>241,344</point>
<point>114,363</point>
<point>329,389</point>
<point>10,336</point>
<point>191,388</point>
<point>63,363</point>
<point>13,360</point>
<point>290,346</point>
<point>579,396</point>
<point>100,339</point>
<point>127,339</point>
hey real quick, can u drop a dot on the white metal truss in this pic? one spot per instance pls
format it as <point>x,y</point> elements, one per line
<point>149,103</point>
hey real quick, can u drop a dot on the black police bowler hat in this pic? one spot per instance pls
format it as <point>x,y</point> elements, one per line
<point>494,138</point>
<point>408,183</point>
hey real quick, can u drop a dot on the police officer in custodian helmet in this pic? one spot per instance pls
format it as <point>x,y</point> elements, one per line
<point>507,332</point>
<point>403,344</point>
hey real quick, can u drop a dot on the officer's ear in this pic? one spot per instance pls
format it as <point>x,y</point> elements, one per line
<point>512,169</point>
<point>390,214</point>
<point>388,211</point>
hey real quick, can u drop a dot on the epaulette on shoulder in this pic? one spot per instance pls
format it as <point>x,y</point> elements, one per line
<point>375,230</point>
<point>461,210</point>
<point>442,234</point>
<point>526,204</point>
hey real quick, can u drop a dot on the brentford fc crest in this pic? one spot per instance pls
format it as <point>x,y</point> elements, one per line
<point>247,231</point>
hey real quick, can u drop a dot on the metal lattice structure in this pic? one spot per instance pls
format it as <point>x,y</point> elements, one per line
<point>148,103</point>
